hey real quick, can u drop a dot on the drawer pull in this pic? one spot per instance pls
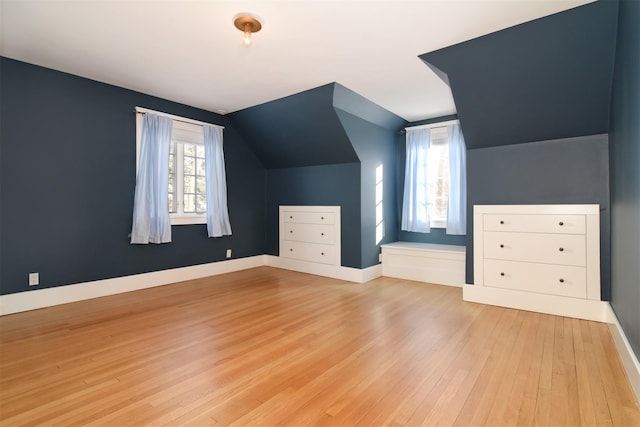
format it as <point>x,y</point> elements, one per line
<point>291,231</point>
<point>561,280</point>
<point>501,222</point>
<point>502,246</point>
<point>321,217</point>
<point>322,253</point>
<point>322,234</point>
<point>290,250</point>
<point>290,216</point>
<point>561,223</point>
<point>561,249</point>
<point>502,274</point>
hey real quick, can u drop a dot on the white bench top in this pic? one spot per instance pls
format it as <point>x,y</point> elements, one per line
<point>425,247</point>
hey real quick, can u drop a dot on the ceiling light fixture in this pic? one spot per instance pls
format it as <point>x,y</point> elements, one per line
<point>248,24</point>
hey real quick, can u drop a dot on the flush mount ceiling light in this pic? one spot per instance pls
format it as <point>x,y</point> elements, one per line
<point>248,24</point>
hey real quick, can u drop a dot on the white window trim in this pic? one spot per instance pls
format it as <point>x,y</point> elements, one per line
<point>437,223</point>
<point>187,219</point>
<point>176,218</point>
<point>182,218</point>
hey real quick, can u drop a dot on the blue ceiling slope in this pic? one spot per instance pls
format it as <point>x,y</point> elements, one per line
<point>546,79</point>
<point>298,130</point>
<point>349,101</point>
<point>304,129</point>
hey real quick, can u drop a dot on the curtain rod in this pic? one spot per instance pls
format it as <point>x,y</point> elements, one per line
<point>434,125</point>
<point>141,110</point>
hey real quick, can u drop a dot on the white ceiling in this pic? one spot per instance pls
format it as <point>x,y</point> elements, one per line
<point>190,52</point>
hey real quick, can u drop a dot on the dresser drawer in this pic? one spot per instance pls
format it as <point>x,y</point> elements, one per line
<point>308,217</point>
<point>542,278</point>
<point>566,249</point>
<point>565,224</point>
<point>313,252</point>
<point>314,233</point>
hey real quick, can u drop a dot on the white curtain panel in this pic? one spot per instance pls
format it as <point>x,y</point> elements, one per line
<point>457,207</point>
<point>217,213</point>
<point>151,221</point>
<point>415,201</point>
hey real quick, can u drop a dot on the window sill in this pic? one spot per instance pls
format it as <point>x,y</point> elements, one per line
<point>188,220</point>
<point>438,223</point>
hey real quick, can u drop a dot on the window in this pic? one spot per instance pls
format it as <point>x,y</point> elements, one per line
<point>180,177</point>
<point>187,173</point>
<point>438,178</point>
<point>435,179</point>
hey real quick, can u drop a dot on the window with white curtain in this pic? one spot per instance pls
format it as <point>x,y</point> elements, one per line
<point>435,179</point>
<point>187,197</point>
<point>186,192</point>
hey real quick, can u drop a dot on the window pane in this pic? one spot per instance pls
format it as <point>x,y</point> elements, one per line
<point>189,166</point>
<point>200,170</point>
<point>189,203</point>
<point>201,204</point>
<point>438,179</point>
<point>189,149</point>
<point>201,186</point>
<point>189,184</point>
<point>172,208</point>
<point>200,151</point>
<point>171,183</point>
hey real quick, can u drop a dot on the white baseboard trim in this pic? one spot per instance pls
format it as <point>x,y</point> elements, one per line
<point>627,356</point>
<point>541,303</point>
<point>39,298</point>
<point>371,273</point>
<point>334,271</point>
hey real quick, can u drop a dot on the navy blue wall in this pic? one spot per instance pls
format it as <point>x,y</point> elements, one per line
<point>567,171</point>
<point>437,235</point>
<point>375,146</point>
<point>544,79</point>
<point>625,174</point>
<point>67,176</point>
<point>298,130</point>
<point>330,185</point>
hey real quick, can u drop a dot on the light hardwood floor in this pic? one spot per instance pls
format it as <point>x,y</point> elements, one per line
<point>274,347</point>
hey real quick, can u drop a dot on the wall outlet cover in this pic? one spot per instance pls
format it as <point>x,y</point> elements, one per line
<point>34,279</point>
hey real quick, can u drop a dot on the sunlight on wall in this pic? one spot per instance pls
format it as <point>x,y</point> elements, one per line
<point>379,205</point>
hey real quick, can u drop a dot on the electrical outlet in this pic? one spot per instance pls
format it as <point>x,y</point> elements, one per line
<point>228,253</point>
<point>34,279</point>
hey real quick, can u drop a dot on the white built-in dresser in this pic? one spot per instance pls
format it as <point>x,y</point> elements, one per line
<point>310,233</point>
<point>539,257</point>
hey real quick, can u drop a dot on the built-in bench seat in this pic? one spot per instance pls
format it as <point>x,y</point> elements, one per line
<point>424,262</point>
